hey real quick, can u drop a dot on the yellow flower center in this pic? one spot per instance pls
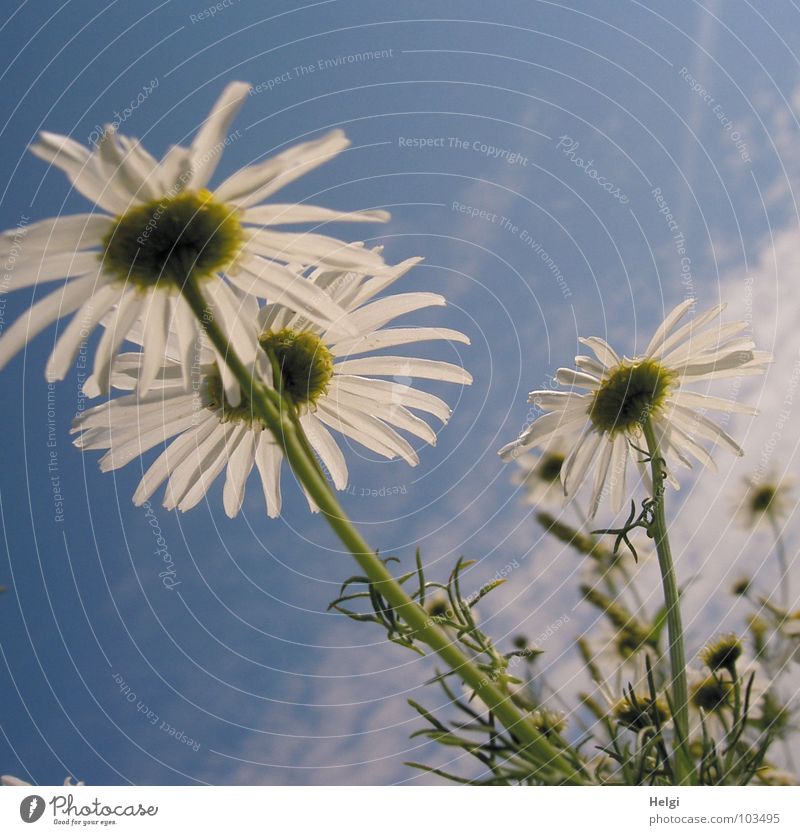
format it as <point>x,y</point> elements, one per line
<point>550,466</point>
<point>723,653</point>
<point>762,498</point>
<point>712,694</point>
<point>628,395</point>
<point>305,363</point>
<point>216,401</point>
<point>165,242</point>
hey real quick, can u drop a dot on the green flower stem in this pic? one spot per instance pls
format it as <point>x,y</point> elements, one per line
<point>783,565</point>
<point>677,656</point>
<point>271,407</point>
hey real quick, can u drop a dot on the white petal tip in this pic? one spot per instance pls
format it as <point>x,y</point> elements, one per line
<point>510,452</point>
<point>240,87</point>
<point>90,387</point>
<point>377,216</point>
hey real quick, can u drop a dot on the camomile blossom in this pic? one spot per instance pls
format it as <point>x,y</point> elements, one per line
<point>712,697</point>
<point>600,416</point>
<point>540,475</point>
<point>156,227</point>
<point>334,382</point>
<point>725,660</point>
<point>766,499</point>
<point>618,652</point>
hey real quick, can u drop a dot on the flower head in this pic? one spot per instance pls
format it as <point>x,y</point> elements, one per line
<point>158,227</point>
<point>600,418</point>
<point>765,498</point>
<point>722,653</point>
<point>540,475</point>
<point>637,711</point>
<point>712,694</point>
<point>333,382</point>
<point>548,722</point>
<point>439,607</point>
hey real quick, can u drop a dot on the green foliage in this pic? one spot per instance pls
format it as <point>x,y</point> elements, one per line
<point>621,730</point>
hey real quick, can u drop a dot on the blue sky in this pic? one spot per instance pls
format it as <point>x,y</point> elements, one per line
<point>687,106</point>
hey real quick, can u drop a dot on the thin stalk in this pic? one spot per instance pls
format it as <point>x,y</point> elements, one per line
<point>677,655</point>
<point>737,726</point>
<point>269,405</point>
<point>783,564</point>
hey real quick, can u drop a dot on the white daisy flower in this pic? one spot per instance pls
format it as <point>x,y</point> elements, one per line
<point>711,689</point>
<point>333,381</point>
<point>157,226</point>
<point>600,417</point>
<point>766,499</point>
<point>619,653</point>
<point>712,698</point>
<point>540,475</point>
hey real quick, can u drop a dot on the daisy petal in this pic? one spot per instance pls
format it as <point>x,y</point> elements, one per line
<point>79,328</point>
<point>576,379</point>
<point>171,459</point>
<point>376,314</point>
<point>58,234</point>
<point>694,348</point>
<point>189,339</point>
<point>327,449</point>
<point>240,464</point>
<point>669,323</point>
<point>362,292</point>
<point>406,367</point>
<point>600,474</point>
<point>393,337</point>
<point>686,331</point>
<point>190,483</point>
<point>544,428</point>
<point>127,310</point>
<point>618,469</point>
<point>156,328</point>
<point>257,182</point>
<point>210,139</point>
<point>696,424</point>
<point>59,303</point>
<point>602,350</point>
<point>276,214</point>
<point>270,280</point>
<point>395,392</point>
<point>580,460</point>
<point>368,431</point>
<point>63,265</point>
<point>693,399</point>
<point>309,248</point>
<point>268,462</point>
